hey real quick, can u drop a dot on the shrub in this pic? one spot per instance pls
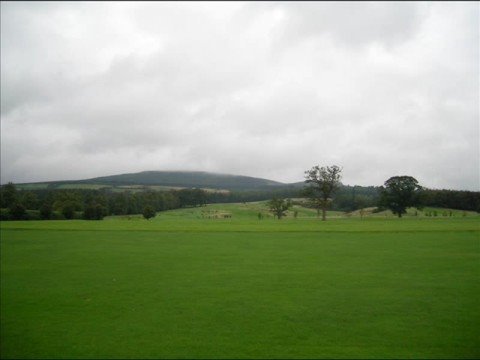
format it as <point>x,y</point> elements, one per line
<point>5,214</point>
<point>57,215</point>
<point>33,215</point>
<point>148,212</point>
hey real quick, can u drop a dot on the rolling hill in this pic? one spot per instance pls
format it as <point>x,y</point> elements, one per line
<point>187,179</point>
<point>251,188</point>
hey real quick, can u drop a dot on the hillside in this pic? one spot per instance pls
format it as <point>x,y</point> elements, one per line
<point>189,179</point>
<point>237,188</point>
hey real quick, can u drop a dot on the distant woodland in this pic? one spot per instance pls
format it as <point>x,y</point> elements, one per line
<point>94,204</point>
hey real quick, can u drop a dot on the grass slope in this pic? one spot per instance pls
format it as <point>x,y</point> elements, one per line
<point>183,286</point>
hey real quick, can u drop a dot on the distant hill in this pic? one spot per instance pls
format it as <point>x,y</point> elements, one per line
<point>175,179</point>
<point>199,179</point>
<point>237,188</point>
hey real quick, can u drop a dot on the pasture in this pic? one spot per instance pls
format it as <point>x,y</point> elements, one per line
<point>188,284</point>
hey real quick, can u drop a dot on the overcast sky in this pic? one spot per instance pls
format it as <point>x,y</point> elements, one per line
<point>261,89</point>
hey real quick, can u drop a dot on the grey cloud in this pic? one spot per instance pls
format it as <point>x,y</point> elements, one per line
<point>352,24</point>
<point>260,89</point>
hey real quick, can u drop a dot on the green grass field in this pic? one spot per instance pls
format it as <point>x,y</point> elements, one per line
<point>186,285</point>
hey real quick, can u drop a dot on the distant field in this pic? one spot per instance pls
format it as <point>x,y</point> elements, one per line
<point>41,186</point>
<point>117,188</point>
<point>186,285</point>
<point>250,210</point>
<point>412,212</point>
<point>163,187</point>
<point>82,186</point>
<point>31,186</point>
<point>87,186</point>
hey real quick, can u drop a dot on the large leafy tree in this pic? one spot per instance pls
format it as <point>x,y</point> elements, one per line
<point>399,193</point>
<point>279,207</point>
<point>322,182</point>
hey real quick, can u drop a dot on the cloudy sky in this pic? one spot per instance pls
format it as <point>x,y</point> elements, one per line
<point>261,89</point>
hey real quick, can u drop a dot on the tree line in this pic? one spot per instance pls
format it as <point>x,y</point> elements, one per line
<point>397,194</point>
<point>91,204</point>
<point>322,187</point>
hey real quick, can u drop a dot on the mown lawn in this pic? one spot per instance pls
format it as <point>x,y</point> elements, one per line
<point>184,287</point>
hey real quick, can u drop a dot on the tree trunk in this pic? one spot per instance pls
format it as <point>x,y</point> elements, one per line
<point>399,214</point>
<point>324,214</point>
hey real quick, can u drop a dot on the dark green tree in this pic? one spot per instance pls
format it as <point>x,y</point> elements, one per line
<point>8,195</point>
<point>29,199</point>
<point>148,212</point>
<point>119,204</point>
<point>67,202</point>
<point>199,197</point>
<point>68,210</point>
<point>46,211</point>
<point>279,206</point>
<point>399,193</point>
<point>94,211</point>
<point>18,212</point>
<point>322,183</point>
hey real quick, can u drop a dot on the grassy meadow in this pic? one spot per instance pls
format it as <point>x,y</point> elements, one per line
<point>192,283</point>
